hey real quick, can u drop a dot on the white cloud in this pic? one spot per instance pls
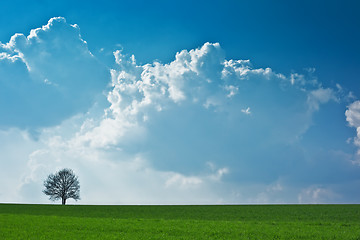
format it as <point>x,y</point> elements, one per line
<point>232,90</point>
<point>353,114</point>
<point>112,148</point>
<point>317,194</point>
<point>15,149</point>
<point>219,174</point>
<point>320,96</point>
<point>48,76</point>
<point>164,133</point>
<point>183,181</point>
<point>198,77</point>
<point>353,118</point>
<point>246,111</point>
<point>114,176</point>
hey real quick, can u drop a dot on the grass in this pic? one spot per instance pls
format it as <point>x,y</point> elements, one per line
<point>19,221</point>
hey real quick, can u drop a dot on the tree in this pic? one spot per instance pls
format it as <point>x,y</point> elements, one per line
<point>62,185</point>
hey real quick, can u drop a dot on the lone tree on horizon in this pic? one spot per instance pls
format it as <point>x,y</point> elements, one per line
<point>62,185</point>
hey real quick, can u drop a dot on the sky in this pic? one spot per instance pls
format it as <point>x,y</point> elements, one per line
<point>181,102</point>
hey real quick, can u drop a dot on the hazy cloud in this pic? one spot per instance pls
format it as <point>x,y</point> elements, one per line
<point>320,96</point>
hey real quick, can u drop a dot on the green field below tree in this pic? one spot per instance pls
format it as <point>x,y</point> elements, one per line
<point>27,221</point>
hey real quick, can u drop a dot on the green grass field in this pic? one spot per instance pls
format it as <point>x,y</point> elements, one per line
<point>19,221</point>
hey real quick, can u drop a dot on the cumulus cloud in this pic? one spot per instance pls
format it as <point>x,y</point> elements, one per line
<point>174,132</point>
<point>199,77</point>
<point>353,114</point>
<point>353,118</point>
<point>156,130</point>
<point>47,76</point>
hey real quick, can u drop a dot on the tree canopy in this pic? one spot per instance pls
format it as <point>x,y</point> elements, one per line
<point>63,185</point>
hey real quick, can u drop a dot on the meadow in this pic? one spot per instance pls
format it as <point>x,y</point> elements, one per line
<point>26,221</point>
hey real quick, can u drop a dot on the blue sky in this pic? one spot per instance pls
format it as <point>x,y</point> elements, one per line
<point>181,102</point>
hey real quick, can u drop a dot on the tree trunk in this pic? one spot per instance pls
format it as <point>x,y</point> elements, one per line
<point>63,201</point>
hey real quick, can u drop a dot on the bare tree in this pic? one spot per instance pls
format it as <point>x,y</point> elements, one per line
<point>62,185</point>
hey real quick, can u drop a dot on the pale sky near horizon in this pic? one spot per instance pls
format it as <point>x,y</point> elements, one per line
<point>181,102</point>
